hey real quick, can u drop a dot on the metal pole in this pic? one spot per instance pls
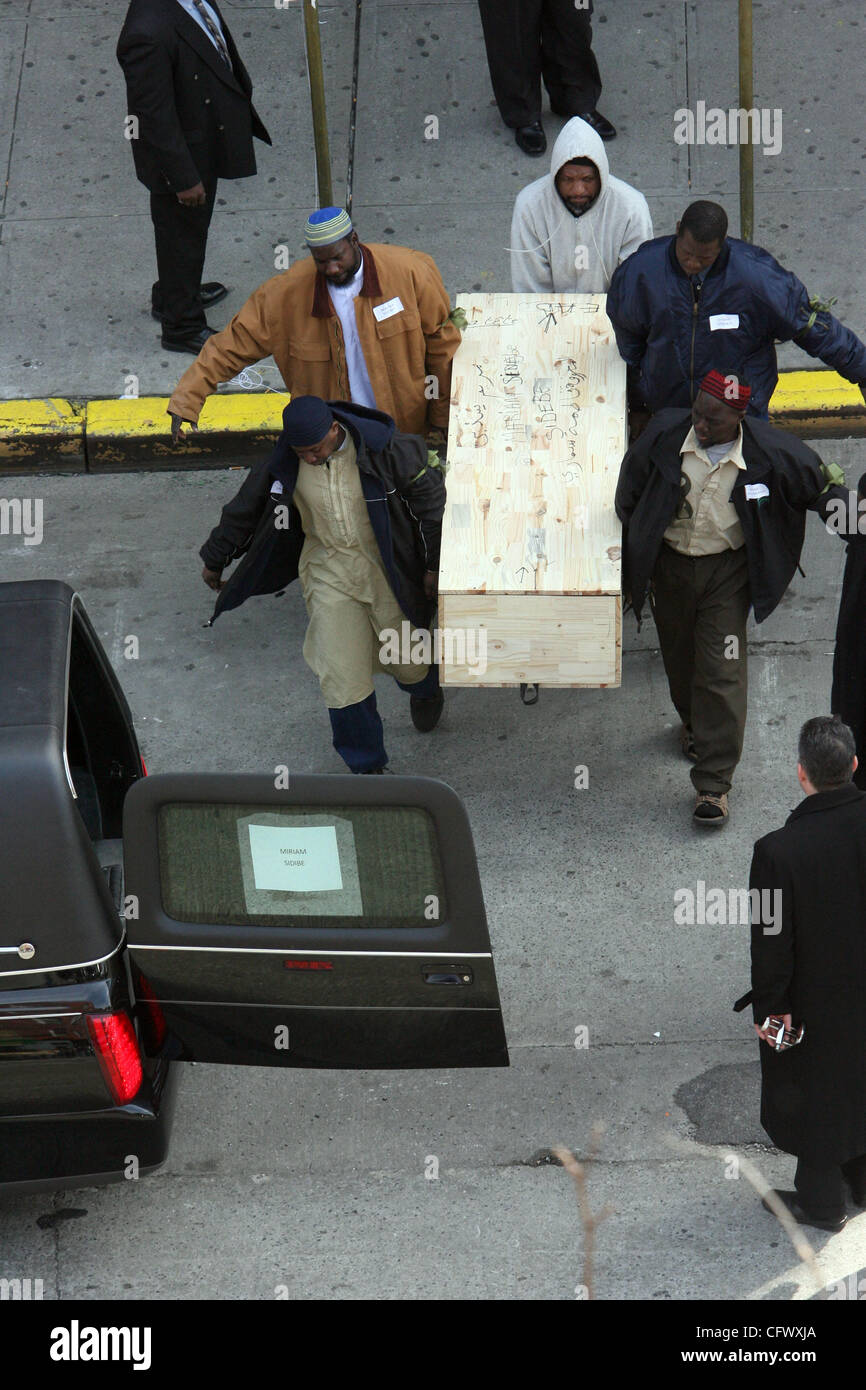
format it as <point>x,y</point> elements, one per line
<point>747,149</point>
<point>313,44</point>
<point>353,114</point>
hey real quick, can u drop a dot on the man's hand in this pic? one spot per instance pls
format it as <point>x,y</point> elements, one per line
<point>194,197</point>
<point>176,422</point>
<point>213,579</point>
<point>786,1019</point>
<point>431,584</point>
<point>437,437</point>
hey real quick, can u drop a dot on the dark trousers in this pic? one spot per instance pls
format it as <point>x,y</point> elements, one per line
<point>528,39</point>
<point>358,735</point>
<point>700,605</point>
<point>822,1190</point>
<point>181,242</point>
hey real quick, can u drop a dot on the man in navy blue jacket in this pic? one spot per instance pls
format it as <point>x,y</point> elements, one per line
<point>685,304</point>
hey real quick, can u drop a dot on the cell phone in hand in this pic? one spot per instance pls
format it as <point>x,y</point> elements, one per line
<point>781,1038</point>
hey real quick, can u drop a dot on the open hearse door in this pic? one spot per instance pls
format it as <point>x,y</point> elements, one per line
<point>334,922</point>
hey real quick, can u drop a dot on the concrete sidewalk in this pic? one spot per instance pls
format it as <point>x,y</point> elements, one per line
<point>76,243</point>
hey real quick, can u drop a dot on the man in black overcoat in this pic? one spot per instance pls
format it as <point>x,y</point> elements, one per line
<point>190,122</point>
<point>809,967</point>
<point>848,698</point>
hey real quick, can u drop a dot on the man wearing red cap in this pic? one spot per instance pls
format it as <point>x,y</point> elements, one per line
<point>713,505</point>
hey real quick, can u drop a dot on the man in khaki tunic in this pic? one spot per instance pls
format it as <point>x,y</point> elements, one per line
<point>349,599</point>
<point>354,510</point>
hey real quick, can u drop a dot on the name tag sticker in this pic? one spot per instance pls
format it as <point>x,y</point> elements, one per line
<point>388,309</point>
<point>724,321</point>
<point>755,490</point>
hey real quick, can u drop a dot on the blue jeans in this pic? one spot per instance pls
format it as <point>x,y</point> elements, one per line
<point>358,735</point>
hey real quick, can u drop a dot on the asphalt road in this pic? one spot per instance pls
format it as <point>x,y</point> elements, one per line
<point>314,1183</point>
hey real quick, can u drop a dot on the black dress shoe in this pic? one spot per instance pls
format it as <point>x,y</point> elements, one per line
<point>531,138</point>
<point>600,124</point>
<point>211,293</point>
<point>792,1202</point>
<point>189,342</point>
<point>425,712</point>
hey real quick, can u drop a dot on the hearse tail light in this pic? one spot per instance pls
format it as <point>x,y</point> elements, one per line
<point>116,1048</point>
<point>151,1016</point>
<point>143,768</point>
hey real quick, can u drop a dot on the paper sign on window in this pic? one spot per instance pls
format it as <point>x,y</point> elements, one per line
<point>292,869</point>
<point>289,859</point>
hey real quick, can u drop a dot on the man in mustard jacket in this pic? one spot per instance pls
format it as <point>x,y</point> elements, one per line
<point>367,324</point>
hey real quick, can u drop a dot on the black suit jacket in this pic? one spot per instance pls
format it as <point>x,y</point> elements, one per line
<point>848,698</point>
<point>809,959</point>
<point>195,116</point>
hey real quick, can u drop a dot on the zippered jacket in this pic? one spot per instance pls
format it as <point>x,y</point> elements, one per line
<point>407,338</point>
<point>671,335</point>
<point>782,480</point>
<point>405,499</point>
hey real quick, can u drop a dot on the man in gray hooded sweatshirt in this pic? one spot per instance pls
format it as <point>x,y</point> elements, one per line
<point>573,227</point>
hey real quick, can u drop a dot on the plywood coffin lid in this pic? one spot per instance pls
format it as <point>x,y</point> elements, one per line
<point>536,437</point>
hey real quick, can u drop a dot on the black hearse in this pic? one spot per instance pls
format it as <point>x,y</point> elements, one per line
<point>294,921</point>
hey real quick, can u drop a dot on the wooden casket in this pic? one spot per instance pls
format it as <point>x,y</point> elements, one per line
<point>529,578</point>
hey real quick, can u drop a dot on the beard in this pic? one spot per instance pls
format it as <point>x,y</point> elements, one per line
<point>346,275</point>
<point>578,206</point>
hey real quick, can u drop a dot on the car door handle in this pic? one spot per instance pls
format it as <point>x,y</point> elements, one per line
<point>26,950</point>
<point>435,975</point>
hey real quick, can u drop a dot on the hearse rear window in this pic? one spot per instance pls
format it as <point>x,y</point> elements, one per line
<point>351,866</point>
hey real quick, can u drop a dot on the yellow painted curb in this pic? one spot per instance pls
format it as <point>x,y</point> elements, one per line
<point>818,403</point>
<point>49,413</point>
<point>135,432</point>
<point>815,391</point>
<point>52,433</point>
<point>49,430</point>
<point>146,416</point>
